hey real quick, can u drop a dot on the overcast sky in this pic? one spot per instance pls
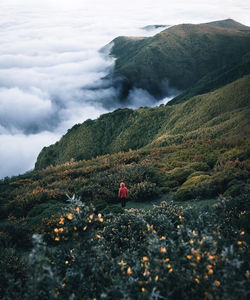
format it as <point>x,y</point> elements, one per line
<point>51,71</point>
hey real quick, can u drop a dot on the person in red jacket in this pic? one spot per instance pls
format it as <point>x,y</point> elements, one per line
<point>123,193</point>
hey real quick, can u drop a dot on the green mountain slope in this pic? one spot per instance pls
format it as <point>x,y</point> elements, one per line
<point>179,56</point>
<point>220,113</point>
<point>216,79</point>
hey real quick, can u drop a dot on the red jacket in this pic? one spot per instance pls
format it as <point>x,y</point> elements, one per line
<point>123,191</point>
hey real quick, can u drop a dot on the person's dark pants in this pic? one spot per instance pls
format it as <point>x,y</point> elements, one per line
<point>123,200</point>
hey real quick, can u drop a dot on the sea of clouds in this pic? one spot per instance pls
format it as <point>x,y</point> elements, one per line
<point>52,72</point>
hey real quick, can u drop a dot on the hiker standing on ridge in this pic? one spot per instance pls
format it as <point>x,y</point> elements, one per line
<point>123,193</point>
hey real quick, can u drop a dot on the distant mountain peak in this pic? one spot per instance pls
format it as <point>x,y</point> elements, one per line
<point>229,24</point>
<point>179,56</point>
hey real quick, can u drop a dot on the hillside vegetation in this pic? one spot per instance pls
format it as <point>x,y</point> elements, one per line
<point>63,234</point>
<point>90,248</point>
<point>195,150</point>
<point>179,56</point>
<point>165,253</point>
<point>216,79</point>
<point>220,113</point>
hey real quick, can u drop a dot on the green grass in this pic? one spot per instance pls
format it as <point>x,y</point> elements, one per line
<point>138,205</point>
<point>200,204</point>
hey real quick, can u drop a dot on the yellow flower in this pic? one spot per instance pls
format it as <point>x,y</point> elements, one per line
<point>242,233</point>
<point>180,217</point>
<point>156,278</point>
<point>122,263</point>
<point>66,262</point>
<point>61,221</point>
<point>206,294</point>
<point>239,243</point>
<point>210,272</point>
<point>99,215</point>
<point>197,280</point>
<point>70,216</point>
<point>129,271</point>
<point>167,260</point>
<point>91,216</point>
<point>150,227</point>
<point>217,282</point>
<point>170,270</point>
<point>75,228</point>
<point>57,239</point>
<point>189,256</point>
<point>101,220</point>
<point>61,230</point>
<point>191,242</point>
<point>198,258</point>
<point>163,250</point>
<point>178,226</point>
<point>84,228</point>
<point>145,258</point>
<point>56,230</point>
<point>169,266</point>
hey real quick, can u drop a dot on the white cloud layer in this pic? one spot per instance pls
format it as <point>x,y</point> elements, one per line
<point>51,70</point>
<point>18,152</point>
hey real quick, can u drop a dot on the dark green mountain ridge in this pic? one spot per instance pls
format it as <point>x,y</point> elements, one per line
<point>220,113</point>
<point>179,56</point>
<point>216,79</point>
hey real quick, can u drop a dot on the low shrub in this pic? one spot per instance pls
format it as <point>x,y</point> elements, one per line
<point>113,209</point>
<point>100,205</point>
<point>197,173</point>
<point>179,174</point>
<point>143,191</point>
<point>199,166</point>
<point>164,253</point>
<point>194,187</point>
<point>234,188</point>
<point>15,233</point>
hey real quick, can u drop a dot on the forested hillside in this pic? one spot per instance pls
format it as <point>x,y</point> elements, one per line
<point>179,56</point>
<point>220,113</point>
